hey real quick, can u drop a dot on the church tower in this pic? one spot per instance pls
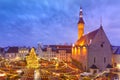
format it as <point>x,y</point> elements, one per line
<point>80,24</point>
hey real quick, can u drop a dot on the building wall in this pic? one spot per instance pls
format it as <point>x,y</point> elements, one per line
<point>10,55</point>
<point>116,61</point>
<point>22,52</point>
<point>99,52</point>
<point>63,56</point>
<point>80,54</point>
<point>48,55</point>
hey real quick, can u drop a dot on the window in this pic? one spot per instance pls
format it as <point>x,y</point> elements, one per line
<point>90,41</point>
<point>94,60</point>
<point>104,59</point>
<point>101,45</point>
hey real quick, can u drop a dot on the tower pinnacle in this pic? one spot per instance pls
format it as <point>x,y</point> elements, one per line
<point>80,24</point>
<point>100,21</point>
<point>81,13</point>
<point>81,16</point>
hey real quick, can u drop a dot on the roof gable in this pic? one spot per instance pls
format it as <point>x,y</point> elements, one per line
<point>116,49</point>
<point>57,48</point>
<point>87,38</point>
<point>12,50</point>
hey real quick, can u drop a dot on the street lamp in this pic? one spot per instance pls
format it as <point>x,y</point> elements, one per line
<point>2,74</point>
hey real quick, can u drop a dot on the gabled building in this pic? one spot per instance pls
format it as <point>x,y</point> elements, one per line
<point>11,53</point>
<point>116,57</point>
<point>22,52</point>
<point>64,53</point>
<point>61,52</point>
<point>18,53</point>
<point>92,49</point>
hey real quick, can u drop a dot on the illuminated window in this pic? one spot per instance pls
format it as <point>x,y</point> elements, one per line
<point>90,41</point>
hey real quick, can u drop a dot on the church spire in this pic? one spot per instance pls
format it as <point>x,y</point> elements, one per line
<point>81,16</point>
<point>101,21</point>
<point>80,24</point>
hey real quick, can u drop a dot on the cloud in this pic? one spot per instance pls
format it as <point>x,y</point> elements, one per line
<point>24,22</point>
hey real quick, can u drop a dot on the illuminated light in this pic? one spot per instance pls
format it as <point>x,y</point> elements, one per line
<point>2,74</point>
<point>78,50</point>
<point>118,66</point>
<point>57,74</point>
<point>72,50</point>
<point>17,58</point>
<point>19,71</point>
<point>53,73</point>
<point>75,50</point>
<point>56,65</point>
<point>80,9</point>
<point>84,50</point>
<point>55,58</point>
<point>32,60</point>
<point>84,47</point>
<point>82,43</point>
<point>73,45</point>
<point>37,75</point>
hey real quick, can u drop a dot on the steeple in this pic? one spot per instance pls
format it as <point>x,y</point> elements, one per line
<point>100,21</point>
<point>80,24</point>
<point>81,16</point>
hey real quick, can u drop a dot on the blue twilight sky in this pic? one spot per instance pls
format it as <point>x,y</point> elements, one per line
<point>28,22</point>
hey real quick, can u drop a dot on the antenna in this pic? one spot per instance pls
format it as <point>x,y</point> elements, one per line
<point>101,21</point>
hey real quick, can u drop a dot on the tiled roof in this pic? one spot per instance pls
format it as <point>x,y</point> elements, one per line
<point>86,38</point>
<point>116,49</point>
<point>56,48</point>
<point>12,50</point>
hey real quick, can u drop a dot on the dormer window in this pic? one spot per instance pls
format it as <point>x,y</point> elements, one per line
<point>90,41</point>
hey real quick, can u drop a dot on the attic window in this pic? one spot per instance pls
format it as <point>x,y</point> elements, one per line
<point>101,45</point>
